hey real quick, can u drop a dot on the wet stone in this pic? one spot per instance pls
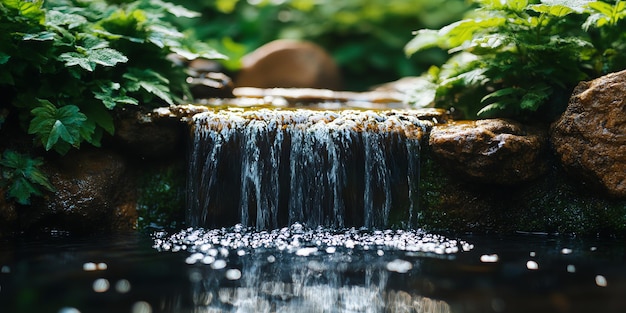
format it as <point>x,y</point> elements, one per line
<point>494,151</point>
<point>590,136</point>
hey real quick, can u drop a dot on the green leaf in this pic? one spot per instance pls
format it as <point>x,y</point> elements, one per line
<point>22,175</point>
<point>424,39</point>
<point>500,93</point>
<point>4,58</point>
<point>41,36</point>
<point>91,57</point>
<point>57,18</point>
<point>101,116</point>
<point>152,82</point>
<point>51,124</point>
<point>554,10</point>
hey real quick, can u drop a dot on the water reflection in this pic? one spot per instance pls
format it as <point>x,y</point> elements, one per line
<point>296,269</point>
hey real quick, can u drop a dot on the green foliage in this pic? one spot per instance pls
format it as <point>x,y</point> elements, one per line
<point>517,58</point>
<point>365,37</point>
<point>66,64</point>
<point>22,177</point>
<point>88,57</point>
<point>161,198</point>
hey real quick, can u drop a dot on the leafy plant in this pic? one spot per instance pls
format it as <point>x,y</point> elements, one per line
<point>22,176</point>
<point>66,64</point>
<point>520,58</point>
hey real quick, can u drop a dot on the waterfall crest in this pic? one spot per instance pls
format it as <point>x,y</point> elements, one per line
<point>267,168</point>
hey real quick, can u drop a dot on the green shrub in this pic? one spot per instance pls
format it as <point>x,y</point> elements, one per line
<point>65,64</point>
<point>521,58</point>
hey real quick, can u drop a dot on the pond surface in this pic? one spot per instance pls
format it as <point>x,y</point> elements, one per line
<point>312,270</point>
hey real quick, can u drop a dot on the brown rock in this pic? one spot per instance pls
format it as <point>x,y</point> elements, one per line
<point>590,136</point>
<point>289,64</point>
<point>149,136</point>
<point>93,194</point>
<point>490,151</point>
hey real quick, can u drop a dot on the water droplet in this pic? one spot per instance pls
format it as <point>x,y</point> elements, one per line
<point>102,266</point>
<point>141,307</point>
<point>5,269</point>
<point>306,251</point>
<point>90,266</point>
<point>271,259</point>
<point>532,265</point>
<point>399,266</point>
<point>601,281</point>
<point>380,252</point>
<point>69,310</point>
<point>101,285</point>
<point>122,286</point>
<point>566,251</point>
<point>489,258</point>
<point>533,254</point>
<point>571,268</point>
<point>233,274</point>
<point>218,265</point>
<point>330,250</point>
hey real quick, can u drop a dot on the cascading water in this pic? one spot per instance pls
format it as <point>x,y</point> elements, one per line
<point>268,168</point>
<point>311,194</point>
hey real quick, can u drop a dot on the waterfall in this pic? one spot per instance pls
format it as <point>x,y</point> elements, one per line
<point>268,168</point>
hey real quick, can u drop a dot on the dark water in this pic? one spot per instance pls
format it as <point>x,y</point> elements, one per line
<point>237,270</point>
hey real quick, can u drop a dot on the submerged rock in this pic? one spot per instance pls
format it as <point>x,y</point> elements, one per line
<point>93,193</point>
<point>491,151</point>
<point>289,64</point>
<point>590,137</point>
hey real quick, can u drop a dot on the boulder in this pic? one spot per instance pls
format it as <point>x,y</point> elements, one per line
<point>93,194</point>
<point>590,136</point>
<point>289,64</point>
<point>494,151</point>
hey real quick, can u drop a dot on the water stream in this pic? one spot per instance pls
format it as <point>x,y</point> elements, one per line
<point>270,168</point>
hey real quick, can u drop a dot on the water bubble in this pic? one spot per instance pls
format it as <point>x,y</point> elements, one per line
<point>571,268</point>
<point>5,269</point>
<point>122,286</point>
<point>566,251</point>
<point>141,307</point>
<point>218,265</point>
<point>102,266</point>
<point>306,251</point>
<point>601,281</point>
<point>533,254</point>
<point>489,258</point>
<point>271,259</point>
<point>399,266</point>
<point>593,248</point>
<point>380,252</point>
<point>101,285</point>
<point>331,250</point>
<point>69,310</point>
<point>532,265</point>
<point>208,259</point>
<point>241,252</point>
<point>89,266</point>
<point>233,274</point>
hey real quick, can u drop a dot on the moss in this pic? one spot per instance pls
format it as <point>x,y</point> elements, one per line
<point>552,204</point>
<point>161,200</point>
